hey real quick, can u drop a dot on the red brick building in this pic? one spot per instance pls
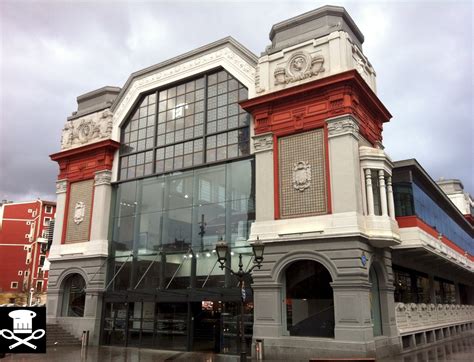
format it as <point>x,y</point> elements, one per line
<point>24,235</point>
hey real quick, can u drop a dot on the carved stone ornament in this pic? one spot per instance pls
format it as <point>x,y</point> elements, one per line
<point>301,175</point>
<point>91,128</point>
<point>79,212</point>
<point>300,66</point>
<point>61,186</point>
<point>342,126</point>
<point>263,142</point>
<point>102,178</point>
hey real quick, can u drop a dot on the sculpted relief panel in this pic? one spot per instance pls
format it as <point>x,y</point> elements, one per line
<point>87,129</point>
<point>300,66</point>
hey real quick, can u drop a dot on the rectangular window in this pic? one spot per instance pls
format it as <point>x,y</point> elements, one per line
<point>39,286</point>
<point>14,285</point>
<point>26,273</point>
<point>46,221</point>
<point>49,209</point>
<point>41,261</point>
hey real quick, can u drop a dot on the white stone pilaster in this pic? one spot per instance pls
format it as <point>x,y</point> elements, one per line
<point>344,164</point>
<point>383,193</point>
<point>264,180</point>
<point>391,204</point>
<point>100,212</point>
<point>61,192</point>
<point>370,193</point>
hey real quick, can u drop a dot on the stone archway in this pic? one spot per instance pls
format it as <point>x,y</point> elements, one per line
<point>309,299</point>
<point>74,296</point>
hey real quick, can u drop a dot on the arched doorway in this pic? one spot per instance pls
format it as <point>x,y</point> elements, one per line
<point>375,310</point>
<point>74,297</point>
<point>309,300</point>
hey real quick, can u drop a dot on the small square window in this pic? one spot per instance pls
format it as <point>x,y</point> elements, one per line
<point>20,272</point>
<point>49,209</point>
<point>46,221</point>
<point>14,285</point>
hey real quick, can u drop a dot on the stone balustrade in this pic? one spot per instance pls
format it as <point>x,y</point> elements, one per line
<point>411,317</point>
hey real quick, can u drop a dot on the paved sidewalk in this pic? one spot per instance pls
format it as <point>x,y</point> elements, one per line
<point>459,349</point>
<point>118,354</point>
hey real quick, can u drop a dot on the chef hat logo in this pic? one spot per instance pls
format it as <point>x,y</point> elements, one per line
<point>22,320</point>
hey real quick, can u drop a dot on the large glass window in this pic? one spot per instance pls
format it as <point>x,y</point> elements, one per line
<point>165,227</point>
<point>193,123</point>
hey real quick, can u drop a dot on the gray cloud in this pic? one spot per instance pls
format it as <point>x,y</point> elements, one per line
<point>51,52</point>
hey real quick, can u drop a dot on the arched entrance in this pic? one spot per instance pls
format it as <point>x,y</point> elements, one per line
<point>375,310</point>
<point>74,297</point>
<point>309,300</point>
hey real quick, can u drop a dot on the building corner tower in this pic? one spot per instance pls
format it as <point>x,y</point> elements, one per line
<point>324,200</point>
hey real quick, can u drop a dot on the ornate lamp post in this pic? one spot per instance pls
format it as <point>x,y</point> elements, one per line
<point>221,250</point>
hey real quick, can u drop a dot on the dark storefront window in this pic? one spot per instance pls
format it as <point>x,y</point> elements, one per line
<point>411,287</point>
<point>445,292</point>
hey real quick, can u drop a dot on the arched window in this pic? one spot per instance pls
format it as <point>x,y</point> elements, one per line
<point>186,125</point>
<point>74,297</point>
<point>309,300</point>
<point>375,310</point>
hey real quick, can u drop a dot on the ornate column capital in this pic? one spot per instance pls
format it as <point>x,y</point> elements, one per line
<point>263,142</point>
<point>102,177</point>
<point>61,186</point>
<point>343,125</point>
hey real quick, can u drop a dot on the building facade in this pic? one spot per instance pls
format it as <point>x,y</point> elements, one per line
<point>25,229</point>
<point>285,148</point>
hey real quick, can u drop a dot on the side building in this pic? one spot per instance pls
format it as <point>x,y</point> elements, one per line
<point>25,228</point>
<point>285,148</point>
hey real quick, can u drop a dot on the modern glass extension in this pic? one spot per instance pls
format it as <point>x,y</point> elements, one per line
<point>186,182</point>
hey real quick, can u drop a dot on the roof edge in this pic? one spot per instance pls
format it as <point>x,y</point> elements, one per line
<point>314,14</point>
<point>251,57</point>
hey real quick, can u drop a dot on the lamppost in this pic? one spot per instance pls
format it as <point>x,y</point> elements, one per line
<point>221,250</point>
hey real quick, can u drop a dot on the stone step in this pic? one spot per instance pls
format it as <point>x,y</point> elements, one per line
<point>58,336</point>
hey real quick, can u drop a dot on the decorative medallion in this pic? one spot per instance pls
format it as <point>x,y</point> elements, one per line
<point>91,128</point>
<point>79,212</point>
<point>300,66</point>
<point>301,175</point>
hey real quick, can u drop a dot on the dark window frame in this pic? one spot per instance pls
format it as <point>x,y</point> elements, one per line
<point>243,130</point>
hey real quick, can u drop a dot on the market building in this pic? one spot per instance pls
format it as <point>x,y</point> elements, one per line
<point>285,149</point>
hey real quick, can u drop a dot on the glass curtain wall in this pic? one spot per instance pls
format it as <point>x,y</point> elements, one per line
<point>162,223</point>
<point>410,199</point>
<point>186,182</point>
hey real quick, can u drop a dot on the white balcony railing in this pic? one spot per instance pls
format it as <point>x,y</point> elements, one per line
<point>412,317</point>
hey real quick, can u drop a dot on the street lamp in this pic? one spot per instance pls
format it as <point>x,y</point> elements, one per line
<point>221,250</point>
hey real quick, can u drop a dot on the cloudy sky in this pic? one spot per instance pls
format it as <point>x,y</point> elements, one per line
<point>53,51</point>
